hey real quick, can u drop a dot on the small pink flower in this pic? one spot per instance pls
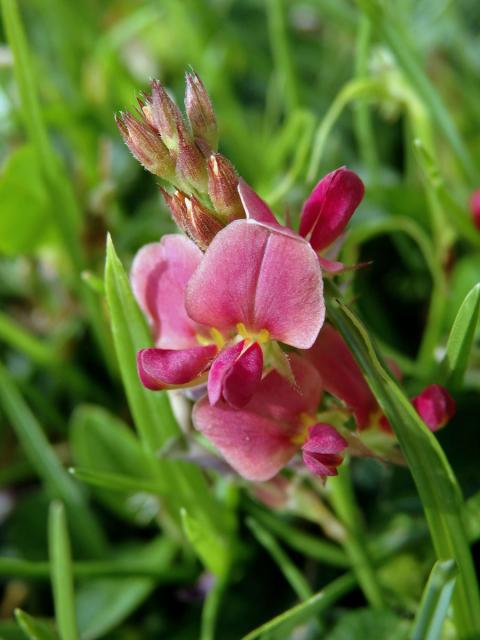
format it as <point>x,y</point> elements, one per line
<point>435,406</point>
<point>253,281</point>
<point>475,207</point>
<point>321,450</point>
<point>259,439</point>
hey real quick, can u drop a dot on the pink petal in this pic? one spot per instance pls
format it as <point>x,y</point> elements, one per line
<point>320,451</point>
<point>340,374</point>
<point>244,377</point>
<point>330,206</point>
<point>163,368</point>
<point>221,366</point>
<point>435,406</point>
<point>264,279</point>
<point>255,208</point>
<point>255,446</point>
<point>334,267</point>
<point>159,276</point>
<point>276,398</point>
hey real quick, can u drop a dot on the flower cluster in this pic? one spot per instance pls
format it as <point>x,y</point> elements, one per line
<point>237,310</point>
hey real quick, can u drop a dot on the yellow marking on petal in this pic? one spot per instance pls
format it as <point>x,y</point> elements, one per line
<point>218,338</point>
<point>306,421</point>
<point>261,336</point>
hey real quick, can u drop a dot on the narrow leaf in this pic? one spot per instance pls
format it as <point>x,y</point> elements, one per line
<point>461,339</point>
<point>210,547</point>
<point>435,601</point>
<point>61,573</point>
<point>34,629</point>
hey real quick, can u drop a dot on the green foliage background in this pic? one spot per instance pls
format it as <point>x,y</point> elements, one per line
<point>390,89</point>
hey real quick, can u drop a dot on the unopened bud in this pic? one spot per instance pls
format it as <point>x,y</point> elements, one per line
<point>198,222</point>
<point>146,145</point>
<point>191,165</point>
<point>222,187</point>
<point>435,406</point>
<point>200,111</point>
<point>165,115</point>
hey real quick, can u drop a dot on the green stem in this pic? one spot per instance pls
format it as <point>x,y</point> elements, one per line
<point>343,501</point>
<point>281,53</point>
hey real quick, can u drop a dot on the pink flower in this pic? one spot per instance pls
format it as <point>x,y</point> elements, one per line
<point>475,207</point>
<point>435,406</point>
<point>341,376</point>
<point>254,282</point>
<point>259,439</point>
<point>325,214</point>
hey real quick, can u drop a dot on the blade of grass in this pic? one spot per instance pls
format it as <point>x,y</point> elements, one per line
<point>281,53</point>
<point>211,609</point>
<point>436,483</point>
<point>299,614</point>
<point>61,573</point>
<point>34,629</point>
<point>435,601</point>
<point>42,457</point>
<point>294,577</point>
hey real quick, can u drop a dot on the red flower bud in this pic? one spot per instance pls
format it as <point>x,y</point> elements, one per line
<point>222,187</point>
<point>200,111</point>
<point>435,406</point>
<point>475,208</point>
<point>198,222</point>
<point>146,145</point>
<point>165,115</point>
<point>191,165</point>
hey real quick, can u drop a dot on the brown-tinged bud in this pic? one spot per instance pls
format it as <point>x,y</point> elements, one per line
<point>200,111</point>
<point>165,115</point>
<point>191,164</point>
<point>146,145</point>
<point>198,222</point>
<point>222,187</point>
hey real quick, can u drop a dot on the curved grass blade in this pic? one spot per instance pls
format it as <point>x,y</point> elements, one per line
<point>436,483</point>
<point>303,612</point>
<point>435,601</point>
<point>460,340</point>
<point>61,573</point>
<point>34,629</point>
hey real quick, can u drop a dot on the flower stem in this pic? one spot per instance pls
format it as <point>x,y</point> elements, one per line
<point>343,501</point>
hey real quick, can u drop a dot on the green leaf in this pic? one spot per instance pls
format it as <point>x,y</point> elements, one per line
<point>461,339</point>
<point>435,601</point>
<point>471,515</point>
<point>104,446</point>
<point>42,457</point>
<point>209,546</point>
<point>436,483</point>
<point>61,573</point>
<point>104,603</point>
<point>378,624</point>
<point>21,190</point>
<point>115,481</point>
<point>281,626</point>
<point>34,629</point>
<point>182,482</point>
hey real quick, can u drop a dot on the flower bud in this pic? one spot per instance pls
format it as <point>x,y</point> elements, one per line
<point>146,145</point>
<point>435,406</point>
<point>198,222</point>
<point>222,187</point>
<point>475,208</point>
<point>191,166</point>
<point>165,115</point>
<point>200,111</point>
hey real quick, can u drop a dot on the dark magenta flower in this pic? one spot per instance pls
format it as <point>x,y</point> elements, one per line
<point>259,439</point>
<point>435,406</point>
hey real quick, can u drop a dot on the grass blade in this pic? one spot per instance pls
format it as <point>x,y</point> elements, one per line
<point>435,601</point>
<point>34,629</point>
<point>436,483</point>
<point>61,573</point>
<point>461,339</point>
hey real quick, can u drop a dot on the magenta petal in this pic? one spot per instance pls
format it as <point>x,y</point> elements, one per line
<point>330,206</point>
<point>341,376</point>
<point>221,366</point>
<point>244,377</point>
<point>159,276</point>
<point>435,406</point>
<point>255,446</point>
<point>262,278</point>
<point>163,368</point>
<point>320,451</point>
<point>255,208</point>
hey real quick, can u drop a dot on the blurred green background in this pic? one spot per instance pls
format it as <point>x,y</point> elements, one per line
<point>299,88</point>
